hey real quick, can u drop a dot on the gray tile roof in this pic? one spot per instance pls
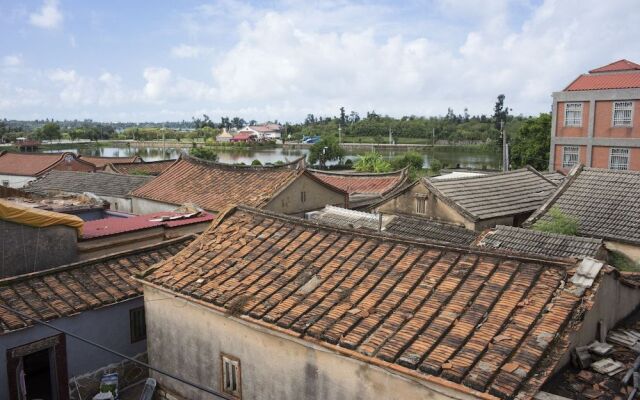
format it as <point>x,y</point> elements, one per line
<point>554,177</point>
<point>605,202</point>
<point>99,183</point>
<point>425,228</point>
<point>495,195</point>
<point>399,225</point>
<point>522,240</point>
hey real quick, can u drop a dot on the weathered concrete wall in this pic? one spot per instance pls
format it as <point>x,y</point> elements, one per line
<point>143,206</point>
<point>404,203</point>
<point>108,326</point>
<point>631,251</point>
<point>119,203</point>
<point>187,339</point>
<point>28,249</point>
<point>613,302</point>
<point>317,196</point>
<point>16,181</point>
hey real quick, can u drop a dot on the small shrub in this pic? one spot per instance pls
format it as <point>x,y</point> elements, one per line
<point>256,163</point>
<point>205,153</point>
<point>435,166</point>
<point>622,262</point>
<point>558,222</point>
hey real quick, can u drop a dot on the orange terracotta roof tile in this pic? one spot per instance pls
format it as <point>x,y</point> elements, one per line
<point>363,183</point>
<point>101,162</point>
<point>32,164</point>
<point>620,65</point>
<point>140,168</point>
<point>73,288</point>
<point>214,186</point>
<point>478,320</point>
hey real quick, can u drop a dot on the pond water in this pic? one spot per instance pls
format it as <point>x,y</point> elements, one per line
<point>452,156</point>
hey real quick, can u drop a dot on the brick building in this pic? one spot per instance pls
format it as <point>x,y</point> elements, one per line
<point>596,120</point>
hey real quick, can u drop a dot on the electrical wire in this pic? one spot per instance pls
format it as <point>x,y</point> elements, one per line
<point>218,395</point>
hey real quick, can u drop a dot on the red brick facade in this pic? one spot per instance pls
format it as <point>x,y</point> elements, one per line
<point>600,142</point>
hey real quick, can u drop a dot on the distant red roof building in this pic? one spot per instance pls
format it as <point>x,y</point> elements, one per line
<point>244,136</point>
<point>596,119</point>
<point>17,169</point>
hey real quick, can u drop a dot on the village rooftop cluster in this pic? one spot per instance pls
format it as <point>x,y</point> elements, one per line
<point>287,282</point>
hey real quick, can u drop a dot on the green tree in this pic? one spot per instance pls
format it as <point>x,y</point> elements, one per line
<point>372,162</point>
<point>435,166</point>
<point>557,222</point>
<point>50,131</point>
<point>530,145</point>
<point>205,153</point>
<point>326,149</point>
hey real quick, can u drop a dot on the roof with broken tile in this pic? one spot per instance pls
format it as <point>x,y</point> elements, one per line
<point>99,183</point>
<point>154,168</point>
<point>479,321</point>
<point>214,186</point>
<point>34,164</point>
<point>410,226</point>
<point>71,289</point>
<point>496,195</point>
<point>605,202</point>
<point>363,182</point>
<point>101,162</point>
<point>535,242</point>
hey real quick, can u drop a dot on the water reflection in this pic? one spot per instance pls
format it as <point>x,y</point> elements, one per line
<point>464,157</point>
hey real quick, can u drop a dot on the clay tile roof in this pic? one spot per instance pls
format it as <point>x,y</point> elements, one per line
<point>99,183</point>
<point>140,168</point>
<point>534,242</point>
<point>363,182</point>
<point>410,226</point>
<point>114,226</point>
<point>214,186</point>
<point>478,321</point>
<point>605,202</point>
<point>70,289</point>
<point>494,195</point>
<point>616,66</point>
<point>29,164</point>
<point>101,162</point>
<point>622,74</point>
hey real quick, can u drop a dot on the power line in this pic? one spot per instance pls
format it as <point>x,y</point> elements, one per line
<point>108,350</point>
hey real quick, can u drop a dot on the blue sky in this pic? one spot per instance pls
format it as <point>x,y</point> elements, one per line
<point>170,60</point>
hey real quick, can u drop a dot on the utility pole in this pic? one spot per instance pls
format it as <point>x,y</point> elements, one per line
<point>163,143</point>
<point>505,149</point>
<point>433,137</point>
<point>390,137</point>
<point>339,133</point>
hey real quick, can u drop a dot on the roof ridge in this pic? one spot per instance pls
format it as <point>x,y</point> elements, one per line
<point>80,264</point>
<point>549,234</point>
<point>386,236</point>
<point>630,66</point>
<point>189,158</point>
<point>571,176</point>
<point>359,174</point>
<point>486,176</point>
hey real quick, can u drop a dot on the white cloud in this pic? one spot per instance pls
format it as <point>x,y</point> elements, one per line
<point>61,75</point>
<point>12,60</point>
<point>293,57</point>
<point>48,17</point>
<point>187,51</point>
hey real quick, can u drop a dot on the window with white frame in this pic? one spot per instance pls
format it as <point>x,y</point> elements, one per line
<point>231,376</point>
<point>421,204</point>
<point>570,156</point>
<point>619,159</point>
<point>622,113</point>
<point>573,114</point>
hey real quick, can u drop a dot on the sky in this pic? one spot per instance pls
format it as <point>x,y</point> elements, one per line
<point>162,60</point>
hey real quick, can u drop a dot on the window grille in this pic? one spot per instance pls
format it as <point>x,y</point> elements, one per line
<point>570,156</point>
<point>421,204</point>
<point>622,113</point>
<point>231,375</point>
<point>137,324</point>
<point>619,159</point>
<point>573,114</point>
